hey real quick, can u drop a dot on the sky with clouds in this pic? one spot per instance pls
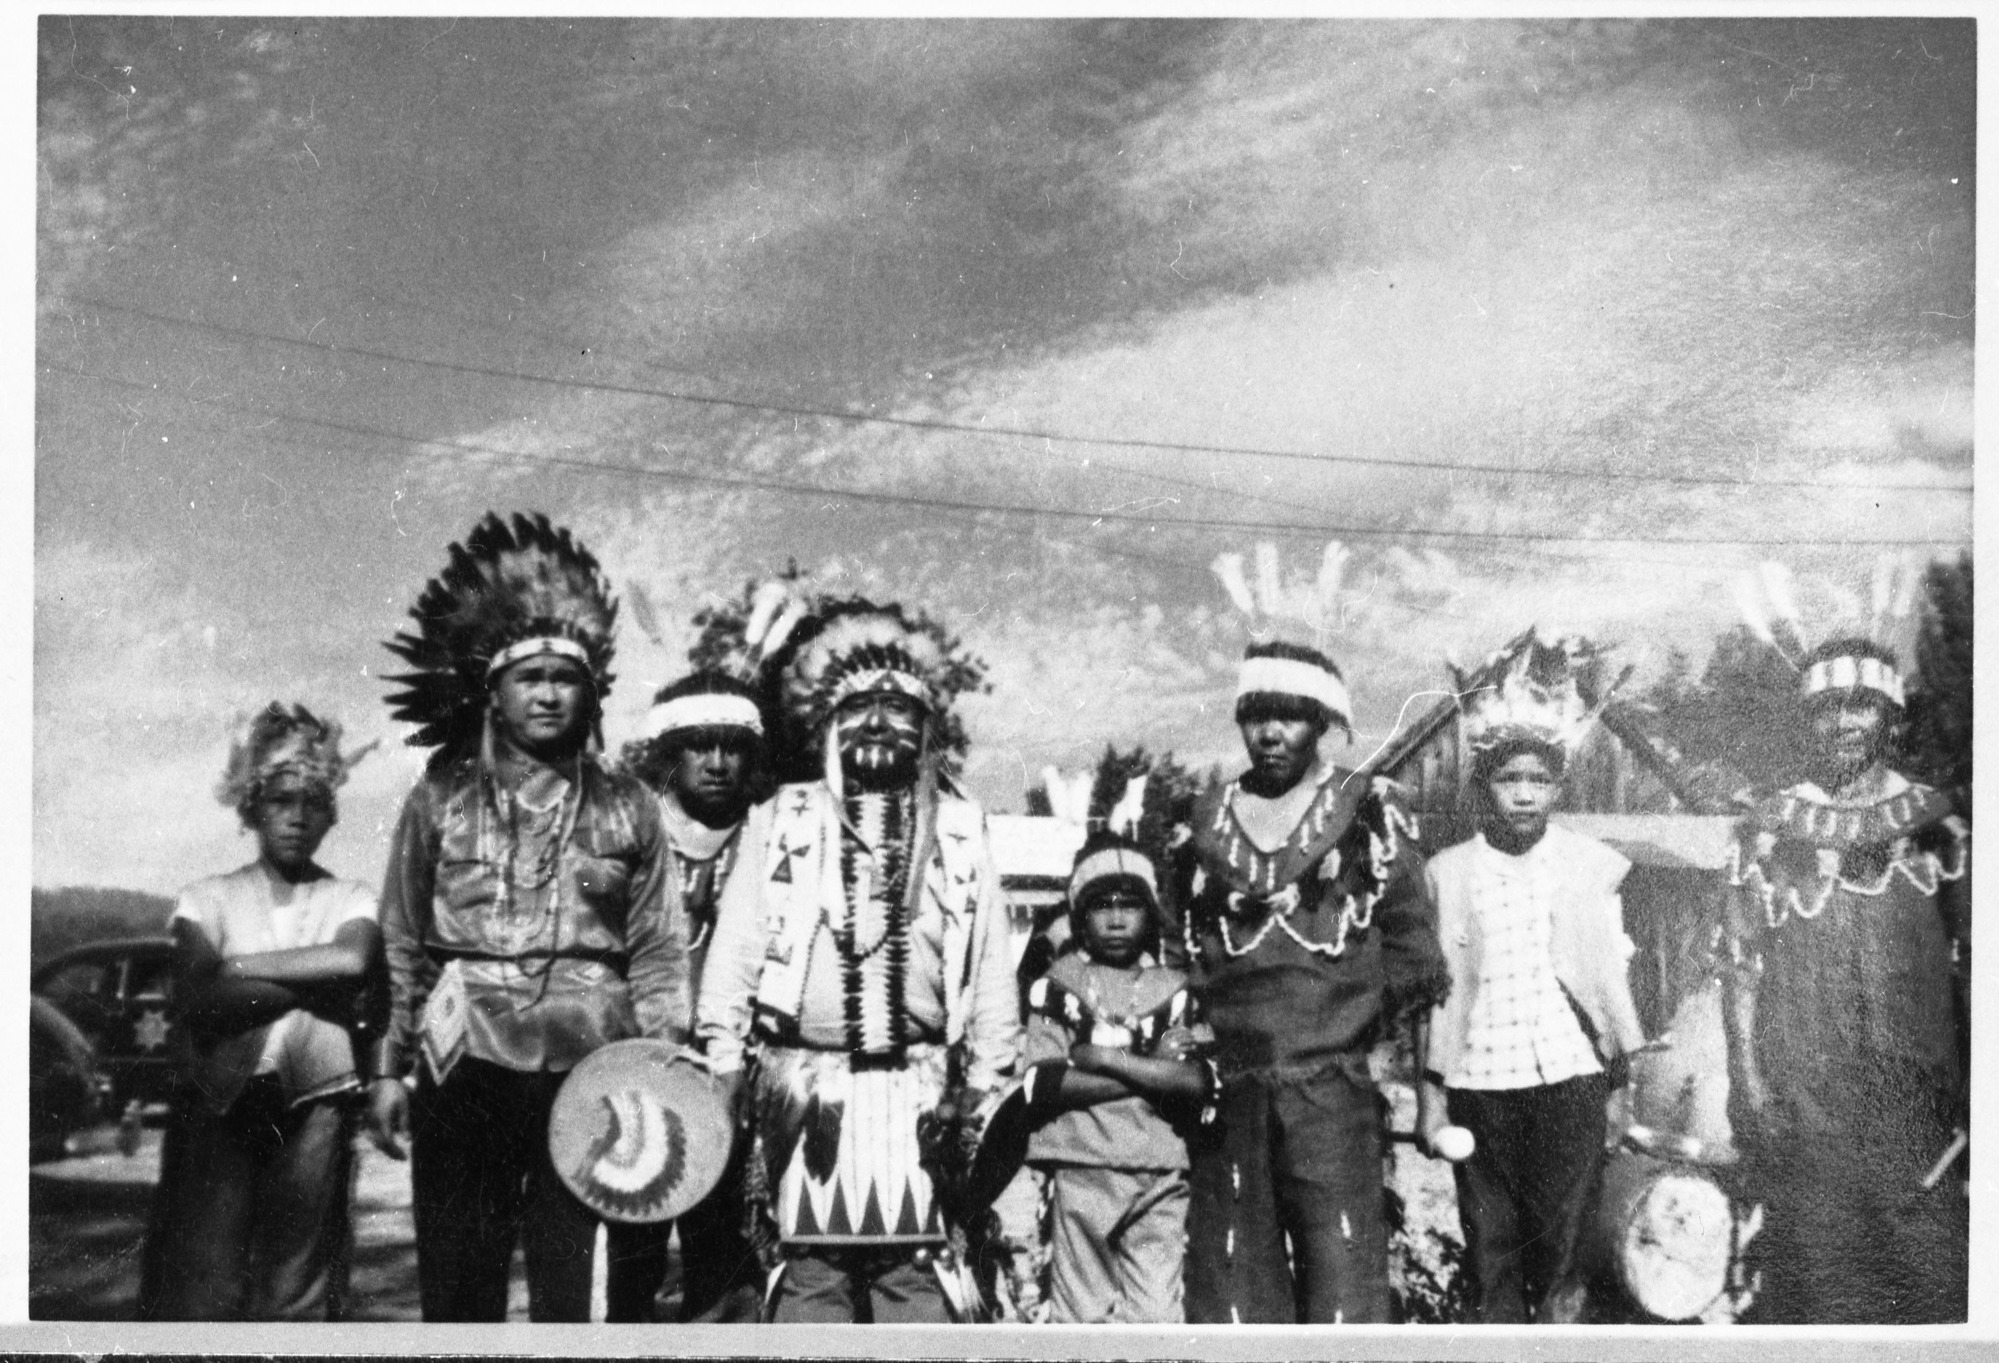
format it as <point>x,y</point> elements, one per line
<point>1556,322</point>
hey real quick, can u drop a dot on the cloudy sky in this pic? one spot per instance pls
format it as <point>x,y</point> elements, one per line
<point>1556,322</point>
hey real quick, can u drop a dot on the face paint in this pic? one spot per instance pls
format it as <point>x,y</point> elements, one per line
<point>880,737</point>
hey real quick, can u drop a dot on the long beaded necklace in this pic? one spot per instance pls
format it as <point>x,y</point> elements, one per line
<point>541,832</point>
<point>874,870</point>
<point>874,877</point>
<point>701,885</point>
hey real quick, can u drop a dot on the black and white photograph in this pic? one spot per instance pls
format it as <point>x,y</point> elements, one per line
<point>1179,673</point>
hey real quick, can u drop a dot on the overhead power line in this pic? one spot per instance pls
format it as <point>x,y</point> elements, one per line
<point>989,431</point>
<point>971,507</point>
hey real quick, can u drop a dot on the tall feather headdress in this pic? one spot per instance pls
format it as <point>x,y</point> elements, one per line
<point>854,648</point>
<point>512,589</point>
<point>861,649</point>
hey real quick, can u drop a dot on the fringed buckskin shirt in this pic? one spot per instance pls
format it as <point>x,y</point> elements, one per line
<point>595,954</point>
<point>1297,952</point>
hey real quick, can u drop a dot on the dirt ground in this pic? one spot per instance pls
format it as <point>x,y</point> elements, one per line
<point>87,1220</point>
<point>87,1216</point>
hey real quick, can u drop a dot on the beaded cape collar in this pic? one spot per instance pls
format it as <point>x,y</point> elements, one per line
<point>1228,854</point>
<point>1793,815</point>
<point>1892,823</point>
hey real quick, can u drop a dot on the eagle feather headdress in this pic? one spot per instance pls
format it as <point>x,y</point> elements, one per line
<point>860,649</point>
<point>511,590</point>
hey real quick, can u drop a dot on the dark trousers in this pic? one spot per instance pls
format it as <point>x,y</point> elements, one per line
<point>1524,1192</point>
<point>250,1220</point>
<point>859,1287</point>
<point>482,1181</point>
<point>1285,1220</point>
<point>721,1280</point>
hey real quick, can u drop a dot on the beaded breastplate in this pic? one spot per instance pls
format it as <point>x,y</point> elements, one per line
<point>1340,853</point>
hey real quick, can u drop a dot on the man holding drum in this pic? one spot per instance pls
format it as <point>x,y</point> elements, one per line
<point>703,758</point>
<point>529,916</point>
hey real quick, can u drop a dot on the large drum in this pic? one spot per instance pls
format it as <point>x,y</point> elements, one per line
<point>638,1133</point>
<point>1664,1233</point>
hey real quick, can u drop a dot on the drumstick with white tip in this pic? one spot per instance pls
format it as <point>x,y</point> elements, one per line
<point>1453,1143</point>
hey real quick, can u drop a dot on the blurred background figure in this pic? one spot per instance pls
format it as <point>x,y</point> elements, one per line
<point>704,758</point>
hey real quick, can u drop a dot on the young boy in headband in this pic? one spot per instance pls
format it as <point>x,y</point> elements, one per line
<point>1112,1040</point>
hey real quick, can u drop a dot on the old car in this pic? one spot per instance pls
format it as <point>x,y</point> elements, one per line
<point>66,1089</point>
<point>119,994</point>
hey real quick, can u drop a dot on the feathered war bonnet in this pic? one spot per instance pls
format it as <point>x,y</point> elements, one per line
<point>848,649</point>
<point>283,740</point>
<point>1529,695</point>
<point>1858,648</point>
<point>1285,669</point>
<point>512,590</point>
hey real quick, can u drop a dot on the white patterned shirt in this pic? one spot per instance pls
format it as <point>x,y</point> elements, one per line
<point>1522,1030</point>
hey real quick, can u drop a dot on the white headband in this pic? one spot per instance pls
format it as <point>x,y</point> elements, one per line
<point>534,646</point>
<point>1112,861</point>
<point>705,710</point>
<point>1290,677</point>
<point>1847,673</point>
<point>870,681</point>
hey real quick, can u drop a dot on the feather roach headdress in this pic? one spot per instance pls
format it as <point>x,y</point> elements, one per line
<point>284,740</point>
<point>1858,647</point>
<point>1531,691</point>
<point>512,590</point>
<point>1289,626</point>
